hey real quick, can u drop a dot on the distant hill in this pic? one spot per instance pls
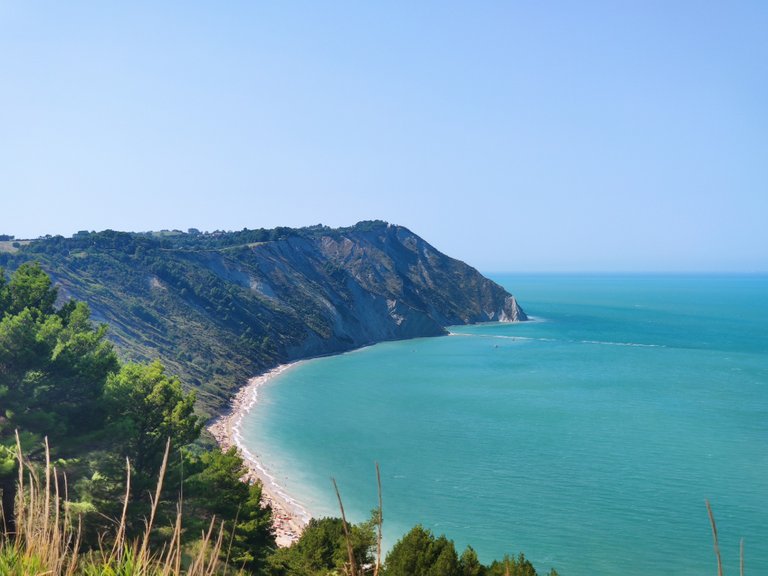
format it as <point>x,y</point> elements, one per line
<point>218,308</point>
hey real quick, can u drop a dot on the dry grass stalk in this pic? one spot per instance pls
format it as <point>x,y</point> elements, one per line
<point>206,564</point>
<point>350,553</point>
<point>47,492</point>
<point>379,522</point>
<point>42,535</point>
<point>714,537</point>
<point>144,553</point>
<point>20,460</point>
<point>46,544</point>
<point>172,564</point>
<point>741,557</point>
<point>232,536</point>
<point>118,546</point>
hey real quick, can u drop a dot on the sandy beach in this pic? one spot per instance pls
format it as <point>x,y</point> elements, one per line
<point>289,518</point>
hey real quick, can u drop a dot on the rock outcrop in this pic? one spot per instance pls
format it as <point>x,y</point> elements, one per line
<point>372,283</point>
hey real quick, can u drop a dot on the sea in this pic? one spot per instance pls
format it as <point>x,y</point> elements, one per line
<point>589,439</point>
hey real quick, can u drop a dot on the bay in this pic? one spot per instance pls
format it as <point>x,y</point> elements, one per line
<point>588,438</point>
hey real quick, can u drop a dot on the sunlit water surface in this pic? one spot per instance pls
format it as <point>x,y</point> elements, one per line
<point>589,438</point>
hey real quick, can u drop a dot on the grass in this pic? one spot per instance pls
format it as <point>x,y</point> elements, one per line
<point>717,544</point>
<point>46,541</point>
<point>8,245</point>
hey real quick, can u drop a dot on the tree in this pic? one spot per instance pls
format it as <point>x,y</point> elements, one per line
<point>80,361</point>
<point>30,287</point>
<point>512,566</point>
<point>322,549</point>
<point>145,408</point>
<point>20,352</point>
<point>52,370</point>
<point>469,564</point>
<point>419,553</point>
<point>215,488</point>
<point>53,366</point>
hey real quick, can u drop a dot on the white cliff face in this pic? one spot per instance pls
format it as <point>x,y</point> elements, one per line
<point>380,283</point>
<point>511,312</point>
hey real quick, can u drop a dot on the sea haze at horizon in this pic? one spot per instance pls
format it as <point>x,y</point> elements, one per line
<point>588,439</point>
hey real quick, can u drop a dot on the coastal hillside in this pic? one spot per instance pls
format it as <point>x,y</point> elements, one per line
<point>217,308</point>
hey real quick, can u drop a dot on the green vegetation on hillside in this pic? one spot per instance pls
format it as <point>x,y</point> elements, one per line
<point>160,303</point>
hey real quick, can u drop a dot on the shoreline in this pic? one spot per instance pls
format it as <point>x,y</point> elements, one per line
<point>289,518</point>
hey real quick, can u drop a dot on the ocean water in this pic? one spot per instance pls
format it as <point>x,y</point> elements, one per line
<point>588,438</point>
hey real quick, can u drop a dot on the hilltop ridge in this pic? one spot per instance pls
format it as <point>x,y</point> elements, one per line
<point>219,307</point>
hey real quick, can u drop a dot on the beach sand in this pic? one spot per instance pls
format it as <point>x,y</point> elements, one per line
<point>288,516</point>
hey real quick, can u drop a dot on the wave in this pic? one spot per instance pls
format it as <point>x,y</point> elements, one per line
<point>530,338</point>
<point>637,344</point>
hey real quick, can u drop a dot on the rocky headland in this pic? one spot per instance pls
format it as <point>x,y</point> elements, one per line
<point>218,308</point>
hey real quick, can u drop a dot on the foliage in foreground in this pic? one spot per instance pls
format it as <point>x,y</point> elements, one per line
<point>47,540</point>
<point>421,553</point>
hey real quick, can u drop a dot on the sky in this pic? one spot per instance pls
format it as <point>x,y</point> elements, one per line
<point>616,136</point>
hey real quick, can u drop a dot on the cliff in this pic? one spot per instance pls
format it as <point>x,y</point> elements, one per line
<point>217,308</point>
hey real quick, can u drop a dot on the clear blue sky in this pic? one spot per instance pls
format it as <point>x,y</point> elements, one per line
<point>616,136</point>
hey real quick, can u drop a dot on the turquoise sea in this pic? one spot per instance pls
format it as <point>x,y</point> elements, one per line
<point>588,438</point>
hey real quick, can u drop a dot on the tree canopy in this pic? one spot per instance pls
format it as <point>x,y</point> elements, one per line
<point>53,363</point>
<point>322,549</point>
<point>146,408</point>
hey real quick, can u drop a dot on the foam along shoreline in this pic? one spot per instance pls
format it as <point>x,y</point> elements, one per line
<point>288,516</point>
